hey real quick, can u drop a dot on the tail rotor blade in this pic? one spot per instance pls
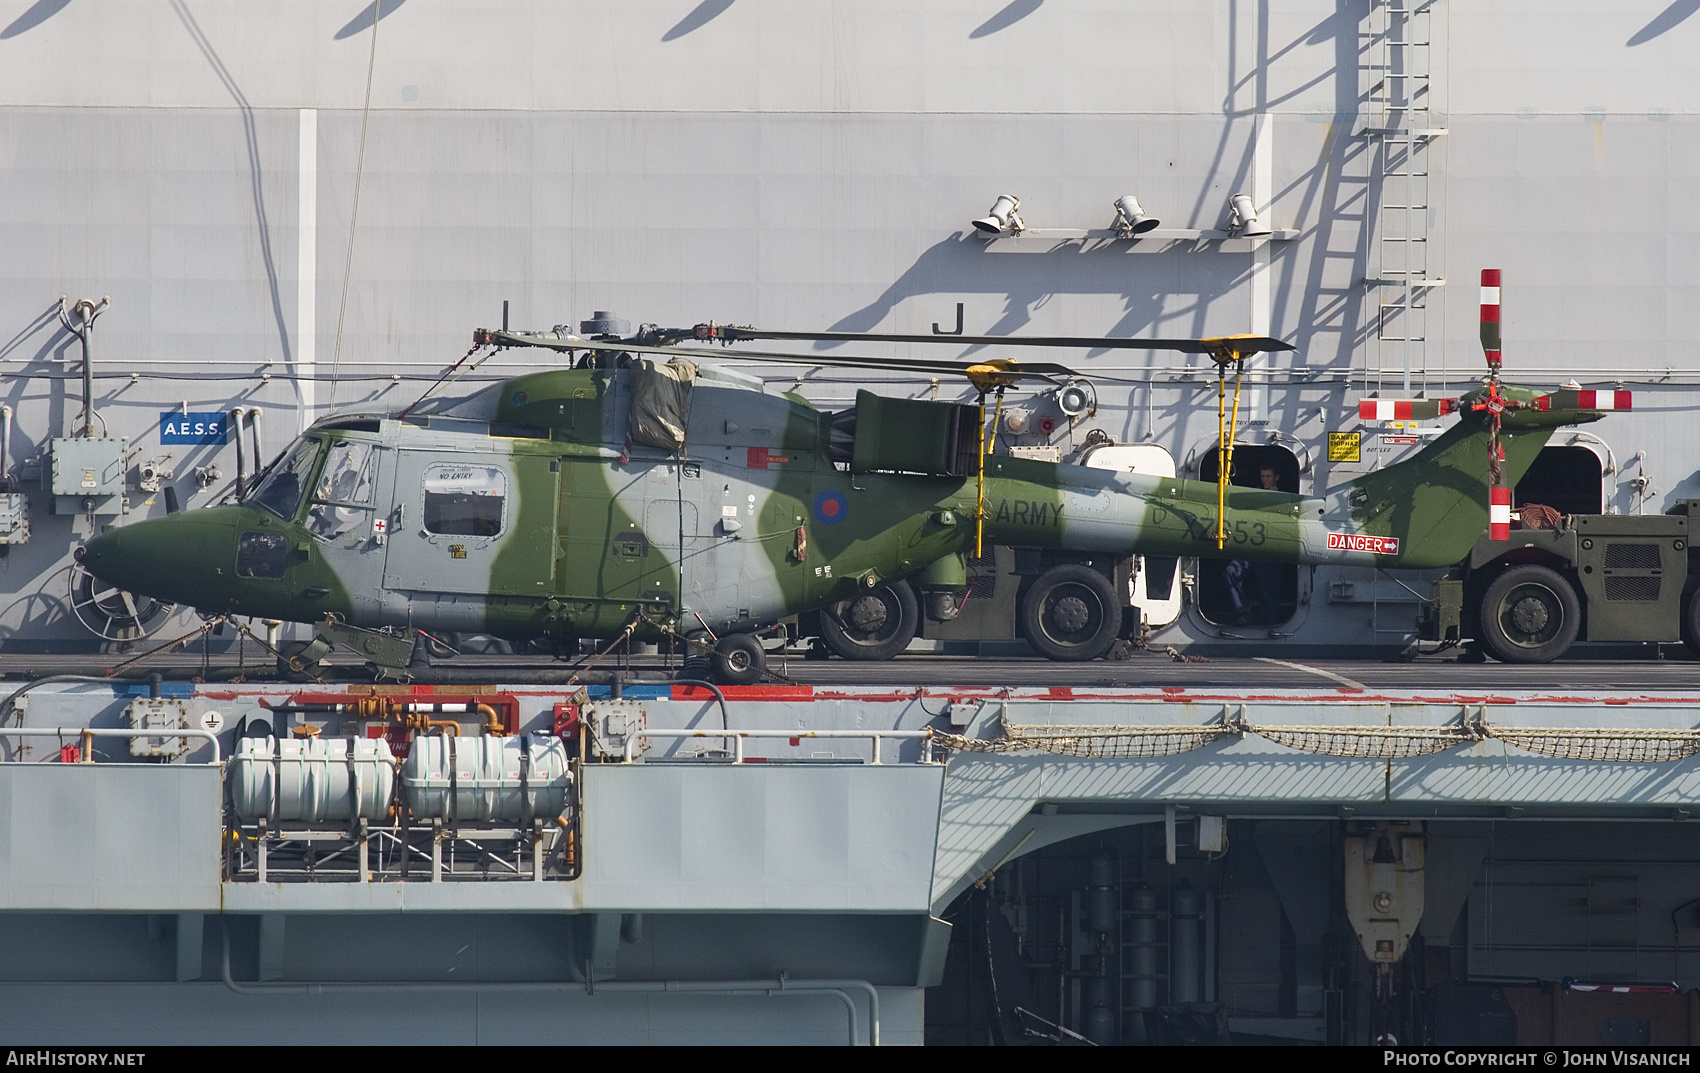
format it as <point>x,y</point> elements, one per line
<point>1571,399</point>
<point>1490,317</point>
<point>1403,409</point>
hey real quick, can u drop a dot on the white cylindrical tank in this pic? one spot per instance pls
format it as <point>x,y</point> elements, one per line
<point>486,778</point>
<point>311,780</point>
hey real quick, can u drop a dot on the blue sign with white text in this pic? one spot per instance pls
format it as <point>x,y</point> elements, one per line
<point>178,427</point>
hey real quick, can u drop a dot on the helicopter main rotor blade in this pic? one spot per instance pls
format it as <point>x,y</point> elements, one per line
<point>1243,344</point>
<point>1039,370</point>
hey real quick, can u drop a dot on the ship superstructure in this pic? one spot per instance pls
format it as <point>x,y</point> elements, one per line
<point>223,220</point>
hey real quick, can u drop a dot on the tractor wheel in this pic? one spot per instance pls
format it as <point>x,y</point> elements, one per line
<point>873,625</point>
<point>1691,622</point>
<point>1071,613</point>
<point>1529,614</point>
<point>739,660</point>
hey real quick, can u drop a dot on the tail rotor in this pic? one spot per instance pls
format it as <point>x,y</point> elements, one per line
<point>1491,403</point>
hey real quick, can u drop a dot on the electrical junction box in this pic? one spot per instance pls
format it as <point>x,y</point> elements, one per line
<point>612,724</point>
<point>148,713</point>
<point>85,475</point>
<point>14,518</point>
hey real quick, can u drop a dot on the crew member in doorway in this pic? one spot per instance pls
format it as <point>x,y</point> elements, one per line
<point>1265,577</point>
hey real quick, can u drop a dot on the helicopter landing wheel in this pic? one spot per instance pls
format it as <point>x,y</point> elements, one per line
<point>1529,614</point>
<point>739,660</point>
<point>291,667</point>
<point>1071,614</point>
<point>873,625</point>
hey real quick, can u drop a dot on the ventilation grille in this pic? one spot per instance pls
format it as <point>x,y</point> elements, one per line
<point>1632,588</point>
<point>1632,556</point>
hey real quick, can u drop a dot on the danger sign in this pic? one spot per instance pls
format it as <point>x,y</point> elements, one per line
<point>1344,446</point>
<point>1358,542</point>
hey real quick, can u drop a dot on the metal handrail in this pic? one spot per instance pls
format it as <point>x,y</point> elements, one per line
<point>738,736</point>
<point>115,732</point>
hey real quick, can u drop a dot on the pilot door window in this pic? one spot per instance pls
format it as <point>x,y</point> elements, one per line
<point>1249,592</point>
<point>464,500</point>
<point>343,497</point>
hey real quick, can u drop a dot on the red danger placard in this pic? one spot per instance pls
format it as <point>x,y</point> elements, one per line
<point>1359,542</point>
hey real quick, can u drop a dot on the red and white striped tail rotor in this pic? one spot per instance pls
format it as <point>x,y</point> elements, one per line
<point>1403,409</point>
<point>1571,399</point>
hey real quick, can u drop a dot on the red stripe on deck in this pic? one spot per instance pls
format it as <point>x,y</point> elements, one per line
<point>774,692</point>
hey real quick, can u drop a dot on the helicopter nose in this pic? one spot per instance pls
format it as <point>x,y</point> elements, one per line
<point>165,558</point>
<point>105,558</point>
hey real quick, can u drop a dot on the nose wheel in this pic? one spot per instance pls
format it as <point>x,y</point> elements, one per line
<point>111,613</point>
<point>739,659</point>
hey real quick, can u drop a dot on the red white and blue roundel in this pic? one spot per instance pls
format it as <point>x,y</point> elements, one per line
<point>831,507</point>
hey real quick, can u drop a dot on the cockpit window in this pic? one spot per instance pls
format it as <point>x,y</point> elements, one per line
<point>344,491</point>
<point>464,500</point>
<point>349,473</point>
<point>281,491</point>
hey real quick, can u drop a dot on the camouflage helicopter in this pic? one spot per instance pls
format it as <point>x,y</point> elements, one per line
<point>650,491</point>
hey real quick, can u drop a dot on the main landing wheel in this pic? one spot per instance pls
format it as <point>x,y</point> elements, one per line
<point>1529,614</point>
<point>739,660</point>
<point>1071,614</point>
<point>873,625</point>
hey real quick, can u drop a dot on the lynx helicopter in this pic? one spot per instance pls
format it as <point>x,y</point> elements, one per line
<point>650,491</point>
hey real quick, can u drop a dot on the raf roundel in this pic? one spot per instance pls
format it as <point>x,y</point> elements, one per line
<point>831,507</point>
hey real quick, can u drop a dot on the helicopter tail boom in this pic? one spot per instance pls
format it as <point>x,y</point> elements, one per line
<point>1422,513</point>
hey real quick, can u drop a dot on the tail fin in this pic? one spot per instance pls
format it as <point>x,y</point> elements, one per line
<point>1437,503</point>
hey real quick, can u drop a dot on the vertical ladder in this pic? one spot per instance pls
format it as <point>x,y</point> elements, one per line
<point>1396,94</point>
<point>1396,69</point>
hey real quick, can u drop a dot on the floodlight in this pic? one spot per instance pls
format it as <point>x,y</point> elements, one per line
<point>1242,221</point>
<point>1130,218</point>
<point>1073,400</point>
<point>1002,217</point>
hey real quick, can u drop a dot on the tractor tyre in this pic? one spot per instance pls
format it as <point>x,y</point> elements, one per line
<point>1691,622</point>
<point>1529,614</point>
<point>1070,613</point>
